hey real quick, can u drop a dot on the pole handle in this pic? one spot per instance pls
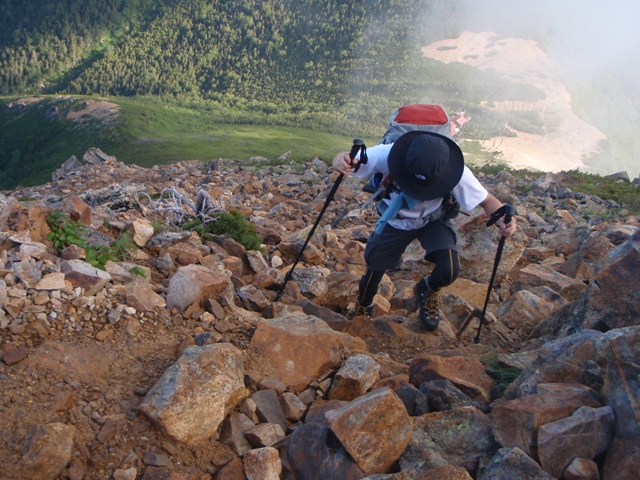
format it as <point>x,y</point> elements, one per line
<point>359,146</point>
<point>506,211</point>
<point>509,213</point>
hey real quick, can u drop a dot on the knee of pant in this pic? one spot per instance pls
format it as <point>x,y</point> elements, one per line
<point>442,279</point>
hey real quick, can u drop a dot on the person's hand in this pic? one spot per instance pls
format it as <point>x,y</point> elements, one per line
<point>342,163</point>
<point>508,229</point>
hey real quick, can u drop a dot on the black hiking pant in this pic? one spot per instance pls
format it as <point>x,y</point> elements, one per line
<point>384,252</point>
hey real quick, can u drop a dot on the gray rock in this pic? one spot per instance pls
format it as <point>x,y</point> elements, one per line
<point>232,433</point>
<point>413,399</point>
<point>95,156</point>
<point>585,434</point>
<point>311,281</point>
<point>619,176</point>
<point>510,463</point>
<point>443,395</point>
<point>265,435</point>
<point>268,408</point>
<point>293,408</point>
<point>313,451</point>
<point>193,284</point>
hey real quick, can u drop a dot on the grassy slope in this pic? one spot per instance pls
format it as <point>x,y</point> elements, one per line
<point>150,132</point>
<point>33,146</point>
<point>175,133</point>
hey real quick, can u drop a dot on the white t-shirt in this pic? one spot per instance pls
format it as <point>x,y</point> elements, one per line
<point>469,192</point>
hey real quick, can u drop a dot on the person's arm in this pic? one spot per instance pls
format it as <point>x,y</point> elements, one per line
<point>490,205</point>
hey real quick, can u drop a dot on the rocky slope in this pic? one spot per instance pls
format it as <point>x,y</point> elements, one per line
<point>179,363</point>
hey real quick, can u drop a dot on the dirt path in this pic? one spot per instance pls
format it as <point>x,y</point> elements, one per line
<point>567,140</point>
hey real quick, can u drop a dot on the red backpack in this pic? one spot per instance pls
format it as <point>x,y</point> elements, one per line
<point>417,116</point>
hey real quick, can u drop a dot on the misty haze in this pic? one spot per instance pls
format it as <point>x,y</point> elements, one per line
<point>584,55</point>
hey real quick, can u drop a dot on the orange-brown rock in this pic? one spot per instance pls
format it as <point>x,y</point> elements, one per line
<point>299,348</point>
<point>375,429</point>
<point>466,373</point>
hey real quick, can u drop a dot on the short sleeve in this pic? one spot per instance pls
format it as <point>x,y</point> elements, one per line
<point>469,192</point>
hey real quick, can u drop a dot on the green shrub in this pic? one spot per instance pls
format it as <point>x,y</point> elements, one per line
<point>623,193</point>
<point>192,224</point>
<point>230,224</point>
<point>501,374</point>
<point>158,225</point>
<point>138,271</point>
<point>66,232</point>
<point>124,242</point>
<point>99,256</point>
<point>234,225</point>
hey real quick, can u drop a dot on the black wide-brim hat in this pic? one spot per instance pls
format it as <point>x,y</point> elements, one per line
<point>425,165</point>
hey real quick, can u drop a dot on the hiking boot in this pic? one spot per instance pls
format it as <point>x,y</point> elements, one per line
<point>360,311</point>
<point>428,302</point>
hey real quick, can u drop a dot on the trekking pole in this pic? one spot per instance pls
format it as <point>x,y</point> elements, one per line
<point>506,211</point>
<point>358,146</point>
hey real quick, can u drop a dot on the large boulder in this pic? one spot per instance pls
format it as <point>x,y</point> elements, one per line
<point>616,302</point>
<point>85,275</point>
<point>375,429</point>
<point>539,275</point>
<point>459,436</point>
<point>611,300</point>
<point>523,311</point>
<point>193,396</point>
<point>466,373</point>
<point>298,348</point>
<point>585,434</point>
<point>618,351</point>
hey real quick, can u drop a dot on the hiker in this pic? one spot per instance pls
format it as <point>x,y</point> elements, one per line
<point>424,167</point>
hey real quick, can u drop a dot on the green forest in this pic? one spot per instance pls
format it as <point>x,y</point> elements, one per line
<point>336,66</point>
